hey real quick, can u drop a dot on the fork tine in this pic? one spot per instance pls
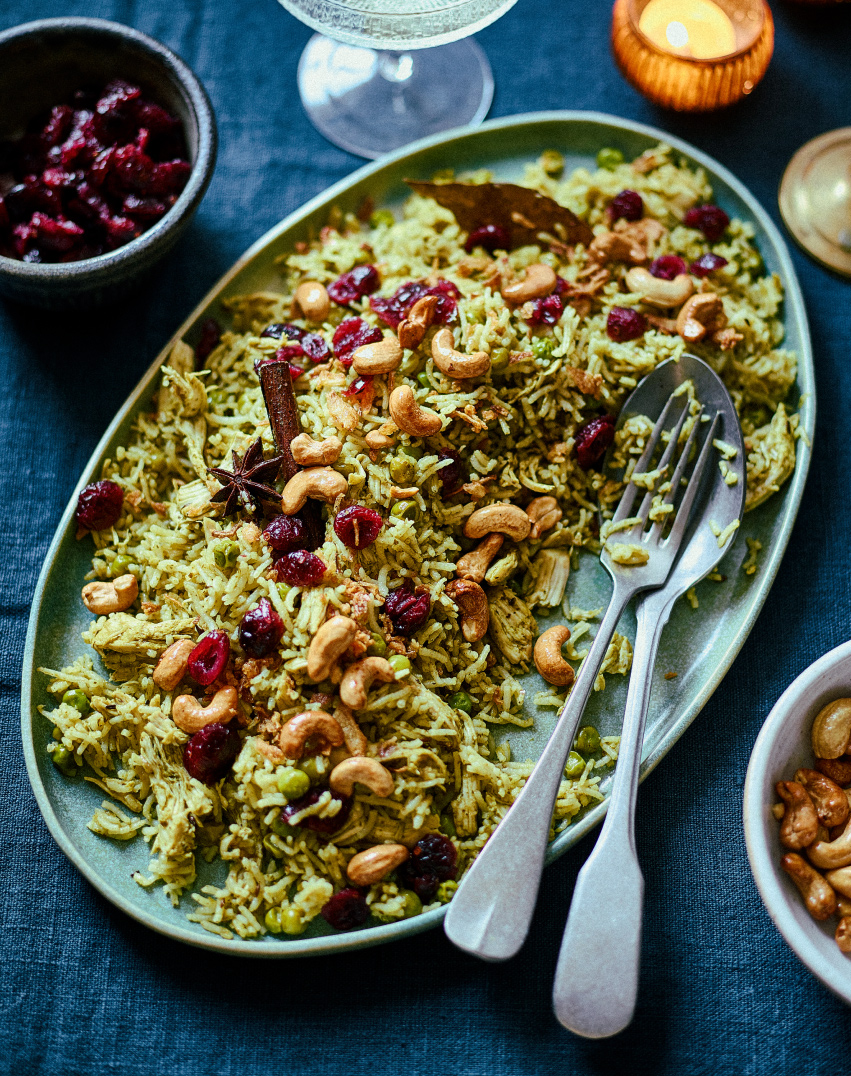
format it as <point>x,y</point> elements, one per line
<point>628,495</point>
<point>670,448</point>
<point>682,463</point>
<point>684,509</point>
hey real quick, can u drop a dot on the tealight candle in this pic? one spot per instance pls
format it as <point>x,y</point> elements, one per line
<point>693,55</point>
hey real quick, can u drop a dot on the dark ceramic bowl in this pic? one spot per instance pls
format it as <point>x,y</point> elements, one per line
<point>41,64</point>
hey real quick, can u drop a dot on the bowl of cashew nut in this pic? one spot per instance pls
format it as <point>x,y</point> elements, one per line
<point>797,817</point>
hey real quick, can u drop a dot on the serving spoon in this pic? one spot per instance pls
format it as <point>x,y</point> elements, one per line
<point>490,914</point>
<point>596,981</point>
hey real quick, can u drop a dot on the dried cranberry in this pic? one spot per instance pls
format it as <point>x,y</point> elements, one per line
<point>318,825</point>
<point>208,341</point>
<point>59,234</point>
<point>58,126</point>
<point>593,440</point>
<point>352,334</point>
<point>99,505</point>
<point>436,853</point>
<point>143,208</point>
<point>490,237</point>
<point>423,882</point>
<point>667,267</point>
<point>357,526</point>
<point>211,752</point>
<point>169,177</point>
<point>346,910</point>
<point>453,476</point>
<point>359,385</point>
<point>407,610</point>
<point>261,629</point>
<point>279,328</point>
<point>710,219</point>
<point>706,264</point>
<point>624,324</point>
<point>628,205</point>
<point>393,309</point>
<point>358,282</point>
<point>285,533</point>
<point>300,568</point>
<point>207,661</point>
<point>548,310</point>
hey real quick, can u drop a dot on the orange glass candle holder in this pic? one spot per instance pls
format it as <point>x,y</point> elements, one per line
<point>669,77</point>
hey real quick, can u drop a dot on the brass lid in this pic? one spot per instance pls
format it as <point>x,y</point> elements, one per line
<point>815,199</point>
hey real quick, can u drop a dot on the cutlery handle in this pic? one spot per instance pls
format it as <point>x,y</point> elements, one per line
<point>596,979</point>
<point>490,914</point>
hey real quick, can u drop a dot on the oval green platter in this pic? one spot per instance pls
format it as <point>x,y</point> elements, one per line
<point>699,646</point>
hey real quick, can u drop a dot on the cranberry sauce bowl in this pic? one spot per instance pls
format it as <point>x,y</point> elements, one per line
<point>147,150</point>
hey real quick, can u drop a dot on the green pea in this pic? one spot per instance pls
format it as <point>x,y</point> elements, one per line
<point>400,664</point>
<point>447,825</point>
<point>311,766</point>
<point>78,699</point>
<point>378,646</point>
<point>293,783</point>
<point>217,397</point>
<point>446,891</point>
<point>401,508</point>
<point>63,760</point>
<point>609,159</point>
<point>283,589</point>
<point>575,765</point>
<point>424,379</point>
<point>272,919</point>
<point>500,358</point>
<point>225,553</point>
<point>403,470</point>
<point>413,904</point>
<point>292,921</point>
<point>552,162</point>
<point>414,451</point>
<point>588,740</point>
<point>382,216</point>
<point>120,566</point>
<point>460,700</point>
<point>543,347</point>
<point>279,826</point>
<point>57,734</point>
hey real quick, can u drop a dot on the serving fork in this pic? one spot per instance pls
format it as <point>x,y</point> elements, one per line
<point>491,912</point>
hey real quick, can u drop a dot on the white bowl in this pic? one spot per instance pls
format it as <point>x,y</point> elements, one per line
<point>781,747</point>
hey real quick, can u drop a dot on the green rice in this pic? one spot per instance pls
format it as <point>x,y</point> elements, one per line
<point>515,427</point>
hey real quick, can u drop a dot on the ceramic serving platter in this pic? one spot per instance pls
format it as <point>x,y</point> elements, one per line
<point>698,645</point>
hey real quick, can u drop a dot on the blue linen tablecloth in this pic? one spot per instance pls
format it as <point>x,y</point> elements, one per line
<point>83,988</point>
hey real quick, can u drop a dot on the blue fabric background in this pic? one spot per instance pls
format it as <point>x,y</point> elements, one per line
<point>83,989</point>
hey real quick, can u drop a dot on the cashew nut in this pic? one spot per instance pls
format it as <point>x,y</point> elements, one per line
<point>828,798</point>
<point>410,417</point>
<point>310,453</point>
<point>832,729</point>
<point>843,934</point>
<point>310,733</point>
<point>190,716</point>
<point>361,770</point>
<point>658,292</point>
<point>382,357</point>
<point>818,895</point>
<point>101,597</point>
<point>832,854</point>
<point>701,314</point>
<point>171,668</point>
<point>312,299</point>
<point>378,442</point>
<point>544,513</point>
<point>840,880</point>
<point>420,317</point>
<point>799,827</point>
<point>837,769</point>
<point>474,564</point>
<point>539,281</point>
<point>375,863</point>
<point>359,678</point>
<point>843,905</point>
<point>455,363</point>
<point>330,642</point>
<point>473,603</point>
<point>549,660</point>
<point>500,518</point>
<point>321,483</point>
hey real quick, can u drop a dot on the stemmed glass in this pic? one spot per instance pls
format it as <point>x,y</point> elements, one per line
<point>391,71</point>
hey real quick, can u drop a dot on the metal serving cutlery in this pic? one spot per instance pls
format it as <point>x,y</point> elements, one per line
<point>491,912</point>
<point>596,980</point>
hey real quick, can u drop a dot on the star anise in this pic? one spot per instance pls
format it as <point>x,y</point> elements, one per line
<point>245,487</point>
